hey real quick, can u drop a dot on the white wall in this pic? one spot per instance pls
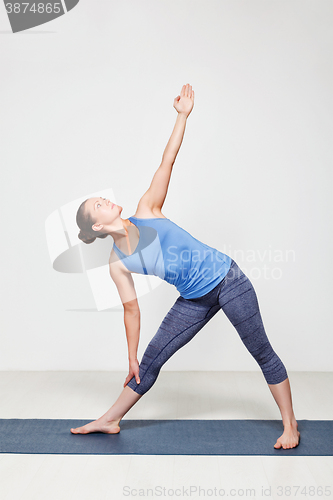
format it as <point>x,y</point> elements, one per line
<point>86,104</point>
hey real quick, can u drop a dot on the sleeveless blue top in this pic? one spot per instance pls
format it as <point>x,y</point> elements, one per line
<point>168,251</point>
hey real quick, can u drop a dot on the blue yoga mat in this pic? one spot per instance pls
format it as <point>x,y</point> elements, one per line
<point>164,437</point>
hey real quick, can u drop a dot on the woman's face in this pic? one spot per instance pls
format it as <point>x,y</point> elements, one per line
<point>102,210</point>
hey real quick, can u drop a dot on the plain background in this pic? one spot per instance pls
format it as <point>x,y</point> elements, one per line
<point>86,104</point>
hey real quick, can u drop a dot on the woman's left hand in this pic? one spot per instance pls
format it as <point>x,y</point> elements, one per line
<point>133,371</point>
<point>184,102</point>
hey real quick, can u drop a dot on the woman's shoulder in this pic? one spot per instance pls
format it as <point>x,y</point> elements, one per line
<point>116,264</point>
<point>145,212</point>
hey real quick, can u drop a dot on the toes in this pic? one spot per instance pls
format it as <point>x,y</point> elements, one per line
<point>76,430</point>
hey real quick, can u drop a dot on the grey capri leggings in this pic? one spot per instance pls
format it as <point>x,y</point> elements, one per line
<point>236,296</point>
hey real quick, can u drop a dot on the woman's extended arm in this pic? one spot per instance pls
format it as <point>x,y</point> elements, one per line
<point>125,285</point>
<point>132,326</point>
<point>157,191</point>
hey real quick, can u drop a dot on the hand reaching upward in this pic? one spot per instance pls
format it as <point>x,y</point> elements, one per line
<point>184,102</point>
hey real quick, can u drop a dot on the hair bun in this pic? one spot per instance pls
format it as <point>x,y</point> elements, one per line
<point>85,237</point>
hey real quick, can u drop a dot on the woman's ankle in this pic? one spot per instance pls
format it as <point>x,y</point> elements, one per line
<point>111,419</point>
<point>290,422</point>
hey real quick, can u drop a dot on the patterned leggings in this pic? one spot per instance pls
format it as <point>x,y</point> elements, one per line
<point>237,298</point>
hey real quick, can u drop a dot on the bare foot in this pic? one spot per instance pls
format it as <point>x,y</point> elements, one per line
<point>99,425</point>
<point>290,437</point>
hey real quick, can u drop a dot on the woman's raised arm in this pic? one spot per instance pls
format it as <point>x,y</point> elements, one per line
<point>155,196</point>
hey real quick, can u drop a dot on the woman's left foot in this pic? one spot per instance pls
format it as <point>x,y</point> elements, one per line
<point>99,425</point>
<point>290,437</point>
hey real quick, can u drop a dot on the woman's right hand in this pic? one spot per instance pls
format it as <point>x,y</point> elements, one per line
<point>184,102</point>
<point>133,372</point>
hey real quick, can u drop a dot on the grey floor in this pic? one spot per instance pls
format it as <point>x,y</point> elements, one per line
<point>183,395</point>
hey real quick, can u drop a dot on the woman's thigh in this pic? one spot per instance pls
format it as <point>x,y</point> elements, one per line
<point>239,302</point>
<point>182,322</point>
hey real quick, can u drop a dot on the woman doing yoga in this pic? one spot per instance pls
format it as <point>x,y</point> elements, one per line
<point>207,280</point>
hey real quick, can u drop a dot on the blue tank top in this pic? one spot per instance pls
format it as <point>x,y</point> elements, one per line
<point>168,251</point>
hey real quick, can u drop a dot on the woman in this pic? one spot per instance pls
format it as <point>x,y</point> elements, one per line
<point>208,280</point>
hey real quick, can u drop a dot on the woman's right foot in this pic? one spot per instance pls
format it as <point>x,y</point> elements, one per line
<point>290,437</point>
<point>99,425</point>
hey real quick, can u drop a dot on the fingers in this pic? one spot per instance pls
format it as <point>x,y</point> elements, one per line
<point>187,91</point>
<point>130,376</point>
<point>137,380</point>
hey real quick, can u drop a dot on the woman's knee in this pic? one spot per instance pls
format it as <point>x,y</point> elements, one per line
<point>271,365</point>
<point>147,380</point>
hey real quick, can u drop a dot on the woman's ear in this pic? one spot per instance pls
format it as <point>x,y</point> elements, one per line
<point>97,227</point>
